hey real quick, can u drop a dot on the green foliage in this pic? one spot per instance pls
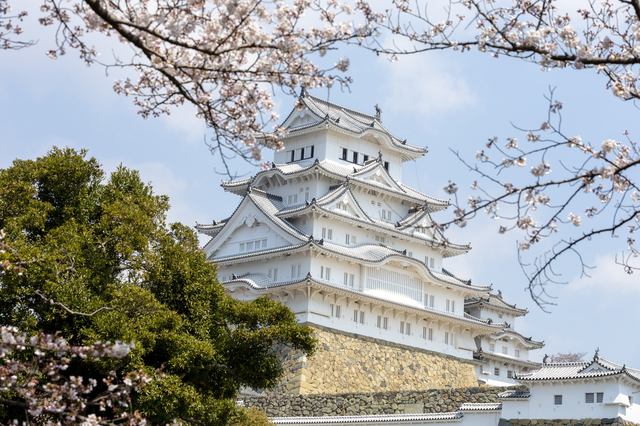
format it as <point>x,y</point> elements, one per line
<point>88,242</point>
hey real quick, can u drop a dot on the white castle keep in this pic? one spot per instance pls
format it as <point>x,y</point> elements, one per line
<point>330,231</point>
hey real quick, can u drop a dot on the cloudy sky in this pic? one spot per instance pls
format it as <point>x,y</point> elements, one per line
<point>446,101</point>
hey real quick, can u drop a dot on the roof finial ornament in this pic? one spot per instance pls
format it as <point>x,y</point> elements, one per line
<point>379,155</point>
<point>303,91</point>
<point>545,360</point>
<point>596,355</point>
<point>500,294</point>
<point>378,113</point>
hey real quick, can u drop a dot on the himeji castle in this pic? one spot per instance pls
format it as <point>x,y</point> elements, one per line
<point>330,231</point>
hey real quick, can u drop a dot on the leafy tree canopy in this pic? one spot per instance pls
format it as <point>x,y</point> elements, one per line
<point>94,259</point>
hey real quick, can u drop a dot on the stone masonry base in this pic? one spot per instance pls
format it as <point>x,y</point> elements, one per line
<point>346,362</point>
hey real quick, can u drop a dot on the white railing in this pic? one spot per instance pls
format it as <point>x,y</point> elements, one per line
<point>394,282</point>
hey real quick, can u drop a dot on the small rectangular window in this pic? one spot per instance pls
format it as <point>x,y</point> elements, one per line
<point>264,243</point>
<point>344,153</point>
<point>328,273</point>
<point>361,317</point>
<point>630,401</point>
<point>492,347</point>
<point>401,327</point>
<point>300,153</point>
<point>324,233</point>
<point>410,253</point>
<point>355,157</point>
<point>352,280</point>
<point>330,234</point>
<point>504,350</point>
<point>600,398</point>
<point>293,271</point>
<point>509,374</point>
<point>379,322</point>
<point>353,239</point>
<point>355,315</point>
<point>386,165</point>
<point>496,372</point>
<point>338,311</point>
<point>557,399</point>
<point>290,156</point>
<point>588,398</point>
<point>432,263</point>
<point>517,353</point>
<point>346,279</point>
<point>322,272</point>
<point>241,246</point>
<point>333,308</point>
<point>385,323</point>
<point>365,158</point>
<point>275,274</point>
<point>346,239</point>
<point>407,329</point>
<point>250,246</point>
<point>499,315</point>
<point>431,298</point>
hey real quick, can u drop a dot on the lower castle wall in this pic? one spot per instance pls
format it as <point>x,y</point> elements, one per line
<point>347,362</point>
<point>360,403</point>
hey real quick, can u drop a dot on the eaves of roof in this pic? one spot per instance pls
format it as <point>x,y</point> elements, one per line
<point>371,253</point>
<point>501,307</point>
<point>471,407</point>
<point>509,331</point>
<point>369,419</point>
<point>324,285</point>
<point>514,395</point>
<point>484,356</point>
<point>448,249</point>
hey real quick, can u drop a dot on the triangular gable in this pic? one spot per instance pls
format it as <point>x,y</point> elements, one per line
<point>378,175</point>
<point>594,367</point>
<point>425,226</point>
<point>301,117</point>
<point>248,214</point>
<point>343,202</point>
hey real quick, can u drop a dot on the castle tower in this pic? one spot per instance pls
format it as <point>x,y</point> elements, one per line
<point>330,231</point>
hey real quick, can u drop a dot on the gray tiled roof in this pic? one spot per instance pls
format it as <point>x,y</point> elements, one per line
<point>579,370</point>
<point>508,330</point>
<point>487,406</point>
<point>383,418</point>
<point>337,191</point>
<point>495,301</point>
<point>514,394</point>
<point>350,120</point>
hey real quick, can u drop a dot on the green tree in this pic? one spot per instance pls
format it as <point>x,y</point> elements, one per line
<point>97,262</point>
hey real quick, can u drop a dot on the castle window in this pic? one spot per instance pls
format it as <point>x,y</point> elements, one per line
<point>588,398</point>
<point>325,273</point>
<point>349,279</point>
<point>362,322</point>
<point>432,262</point>
<point>446,338</point>
<point>492,347</point>
<point>504,350</point>
<point>509,374</point>
<point>386,165</point>
<point>517,353</point>
<point>241,247</point>
<point>300,153</point>
<point>306,194</point>
<point>358,316</point>
<point>382,322</point>
<point>427,333</point>
<point>250,246</point>
<point>335,310</point>
<point>410,253</point>
<point>600,398</point>
<point>327,233</point>
<point>428,300</point>
<point>451,305</point>
<point>273,274</point>
<point>365,158</point>
<point>344,154</point>
<point>557,399</point>
<point>496,372</point>
<point>296,270</point>
<point>355,157</point>
<point>499,315</point>
<point>290,156</point>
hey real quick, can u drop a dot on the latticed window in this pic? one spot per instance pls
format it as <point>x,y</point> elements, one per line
<point>394,282</point>
<point>557,399</point>
<point>588,398</point>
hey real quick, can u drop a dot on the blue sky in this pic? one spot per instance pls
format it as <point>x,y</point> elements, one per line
<point>441,100</point>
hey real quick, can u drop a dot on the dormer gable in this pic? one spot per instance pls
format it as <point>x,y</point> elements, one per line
<point>299,118</point>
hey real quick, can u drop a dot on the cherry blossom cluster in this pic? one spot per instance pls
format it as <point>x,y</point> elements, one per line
<point>585,181</point>
<point>224,57</point>
<point>9,30</point>
<point>603,35</point>
<point>38,382</point>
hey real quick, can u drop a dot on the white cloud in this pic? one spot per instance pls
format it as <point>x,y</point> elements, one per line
<point>429,86</point>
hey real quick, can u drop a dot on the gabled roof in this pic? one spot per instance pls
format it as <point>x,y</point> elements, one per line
<point>480,406</point>
<point>351,121</point>
<point>337,171</point>
<point>598,367</point>
<point>507,331</point>
<point>267,204</point>
<point>495,302</point>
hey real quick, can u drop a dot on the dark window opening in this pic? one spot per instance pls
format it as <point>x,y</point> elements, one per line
<point>386,165</point>
<point>344,154</point>
<point>365,158</point>
<point>355,157</point>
